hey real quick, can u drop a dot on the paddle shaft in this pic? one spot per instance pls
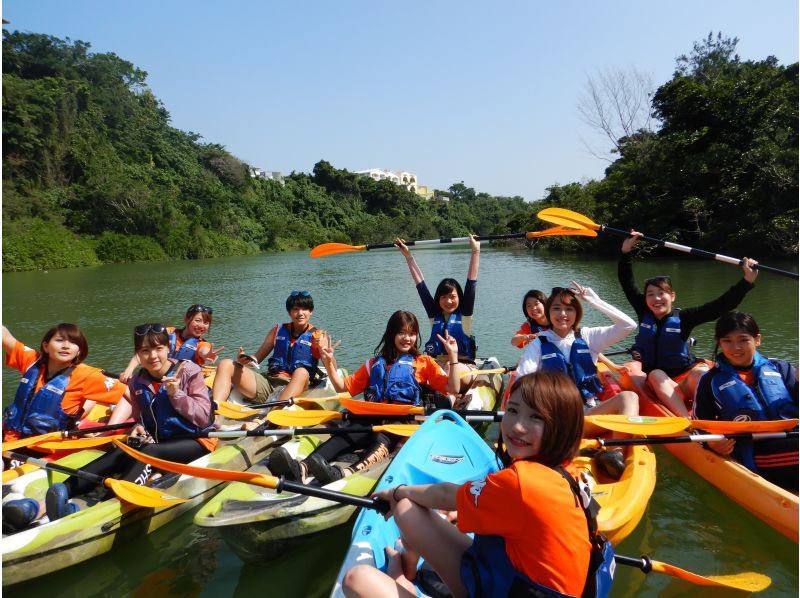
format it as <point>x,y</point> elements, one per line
<point>288,432</point>
<point>377,504</point>
<point>698,252</point>
<point>695,438</point>
<point>89,477</point>
<point>85,431</point>
<point>444,240</point>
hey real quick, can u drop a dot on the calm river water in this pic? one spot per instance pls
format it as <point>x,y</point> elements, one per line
<point>688,523</point>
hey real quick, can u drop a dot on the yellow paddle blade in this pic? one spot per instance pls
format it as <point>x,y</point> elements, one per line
<point>301,400</point>
<point>745,427</point>
<point>17,472</point>
<point>368,408</point>
<point>302,418</point>
<point>209,379</point>
<point>397,429</point>
<point>747,581</point>
<point>485,372</point>
<point>30,441</point>
<point>76,444</point>
<point>234,411</point>
<point>142,496</point>
<point>334,248</point>
<point>638,424</point>
<point>228,475</point>
<point>560,231</point>
<point>567,218</point>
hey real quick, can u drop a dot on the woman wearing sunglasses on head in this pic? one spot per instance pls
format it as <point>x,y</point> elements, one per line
<point>292,367</point>
<point>187,343</point>
<point>662,359</point>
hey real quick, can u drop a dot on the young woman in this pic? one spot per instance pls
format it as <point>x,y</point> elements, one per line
<point>396,374</point>
<point>662,359</point>
<point>450,308</point>
<point>745,385</point>
<point>170,402</point>
<point>57,388</point>
<point>295,350</point>
<point>573,350</point>
<point>187,342</point>
<point>535,318</point>
<point>518,536</point>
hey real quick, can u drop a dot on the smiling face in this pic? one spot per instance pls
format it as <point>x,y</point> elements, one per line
<point>300,316</point>
<point>448,302</point>
<point>562,316</point>
<point>535,310</point>
<point>739,347</point>
<point>153,358</point>
<point>196,325</point>
<point>61,351</point>
<point>405,340</point>
<point>658,300</point>
<point>521,428</point>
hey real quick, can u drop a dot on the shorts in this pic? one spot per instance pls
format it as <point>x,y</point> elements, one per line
<point>266,386</point>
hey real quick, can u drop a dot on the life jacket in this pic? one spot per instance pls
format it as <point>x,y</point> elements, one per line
<point>186,351</point>
<point>736,400</point>
<point>659,344</point>
<point>158,415</point>
<point>287,357</point>
<point>466,343</point>
<point>486,569</point>
<point>535,327</point>
<point>31,414</point>
<point>580,366</point>
<point>399,385</point>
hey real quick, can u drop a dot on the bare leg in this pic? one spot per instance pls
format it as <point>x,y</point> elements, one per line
<point>296,385</point>
<point>364,581</point>
<point>634,379</point>
<point>624,403</point>
<point>667,391</point>
<point>688,386</point>
<point>229,375</point>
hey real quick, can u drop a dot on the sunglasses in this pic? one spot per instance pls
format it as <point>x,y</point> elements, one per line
<point>197,308</point>
<point>299,294</point>
<point>143,329</point>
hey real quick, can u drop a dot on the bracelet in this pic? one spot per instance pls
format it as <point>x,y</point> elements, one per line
<point>454,363</point>
<point>394,492</point>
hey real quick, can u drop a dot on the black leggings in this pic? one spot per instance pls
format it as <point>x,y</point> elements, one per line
<point>340,444</point>
<point>117,461</point>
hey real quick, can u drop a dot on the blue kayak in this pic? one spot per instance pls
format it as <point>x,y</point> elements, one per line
<point>444,449</point>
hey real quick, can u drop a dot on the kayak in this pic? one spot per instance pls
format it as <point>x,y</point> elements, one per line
<point>446,449</point>
<point>773,505</point>
<point>259,524</point>
<point>100,523</point>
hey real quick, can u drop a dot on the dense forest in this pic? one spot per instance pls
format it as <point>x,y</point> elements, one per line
<point>93,172</point>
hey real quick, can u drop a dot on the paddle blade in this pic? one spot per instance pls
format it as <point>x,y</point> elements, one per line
<point>141,496</point>
<point>744,427</point>
<point>226,475</point>
<point>30,441</point>
<point>334,248</point>
<point>560,231</point>
<point>486,372</point>
<point>567,218</point>
<point>321,400</point>
<point>397,429</point>
<point>302,418</point>
<point>368,408</point>
<point>77,444</point>
<point>234,411</point>
<point>637,424</point>
<point>747,581</point>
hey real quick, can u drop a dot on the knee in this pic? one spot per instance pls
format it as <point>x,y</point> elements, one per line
<point>629,402</point>
<point>226,365</point>
<point>300,375</point>
<point>356,580</point>
<point>656,377</point>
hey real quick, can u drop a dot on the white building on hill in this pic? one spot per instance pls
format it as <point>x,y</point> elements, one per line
<point>398,177</point>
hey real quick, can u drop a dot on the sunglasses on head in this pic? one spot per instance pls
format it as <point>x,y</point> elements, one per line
<point>299,294</point>
<point>197,308</point>
<point>657,280</point>
<point>143,329</point>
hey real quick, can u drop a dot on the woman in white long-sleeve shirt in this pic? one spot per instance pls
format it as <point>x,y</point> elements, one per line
<point>573,350</point>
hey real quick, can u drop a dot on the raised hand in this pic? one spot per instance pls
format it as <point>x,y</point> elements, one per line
<point>173,383</point>
<point>213,353</point>
<point>474,243</point>
<point>749,269</point>
<point>401,245</point>
<point>629,243</point>
<point>450,345</point>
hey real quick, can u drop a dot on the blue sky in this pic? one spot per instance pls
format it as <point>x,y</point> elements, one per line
<point>480,92</point>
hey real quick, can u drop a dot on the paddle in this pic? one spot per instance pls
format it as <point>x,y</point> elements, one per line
<point>78,444</point>
<point>327,249</point>
<point>601,442</point>
<point>312,418</point>
<point>504,370</point>
<point>50,436</point>
<point>572,219</point>
<point>739,427</point>
<point>141,496</point>
<point>237,411</point>
<point>752,582</point>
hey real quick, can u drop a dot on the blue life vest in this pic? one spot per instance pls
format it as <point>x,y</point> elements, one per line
<point>33,414</point>
<point>466,343</point>
<point>535,327</point>
<point>158,415</point>
<point>658,345</point>
<point>186,351</point>
<point>580,366</point>
<point>287,357</point>
<point>399,385</point>
<point>736,400</point>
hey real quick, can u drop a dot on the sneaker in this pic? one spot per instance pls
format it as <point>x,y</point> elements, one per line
<point>323,472</point>
<point>19,514</point>
<point>282,464</point>
<point>612,463</point>
<point>57,503</point>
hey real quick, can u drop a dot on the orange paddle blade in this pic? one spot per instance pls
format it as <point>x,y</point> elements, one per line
<point>567,218</point>
<point>747,581</point>
<point>226,475</point>
<point>560,231</point>
<point>30,441</point>
<point>334,248</point>
<point>76,444</point>
<point>368,408</point>
<point>745,427</point>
